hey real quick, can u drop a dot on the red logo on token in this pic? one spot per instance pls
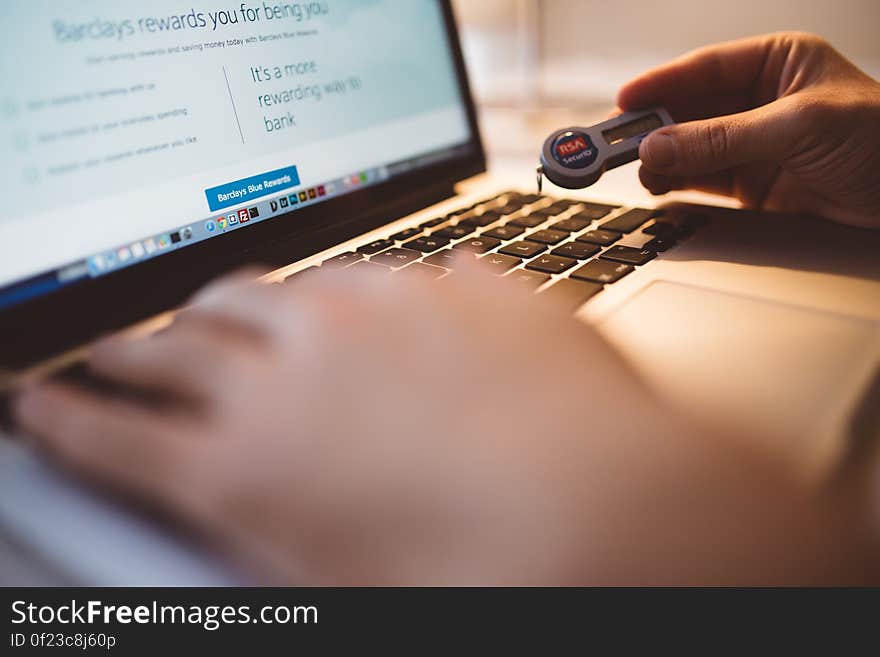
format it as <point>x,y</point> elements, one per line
<point>571,146</point>
<point>574,150</point>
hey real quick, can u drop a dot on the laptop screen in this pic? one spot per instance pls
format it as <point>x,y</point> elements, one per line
<point>134,129</point>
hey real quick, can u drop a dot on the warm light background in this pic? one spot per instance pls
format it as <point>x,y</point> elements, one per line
<point>538,64</point>
<point>583,49</point>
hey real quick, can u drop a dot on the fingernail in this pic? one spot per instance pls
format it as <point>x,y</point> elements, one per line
<point>658,151</point>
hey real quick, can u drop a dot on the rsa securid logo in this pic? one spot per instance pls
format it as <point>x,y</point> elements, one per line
<point>574,150</point>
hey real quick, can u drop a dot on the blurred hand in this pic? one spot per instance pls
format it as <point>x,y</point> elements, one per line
<point>782,122</point>
<point>375,430</point>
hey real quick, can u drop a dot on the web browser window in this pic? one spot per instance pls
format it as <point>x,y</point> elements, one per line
<point>132,129</point>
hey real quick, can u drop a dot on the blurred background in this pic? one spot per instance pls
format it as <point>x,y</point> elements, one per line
<point>538,64</point>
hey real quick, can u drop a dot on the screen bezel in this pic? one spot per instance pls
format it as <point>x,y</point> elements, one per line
<point>73,315</point>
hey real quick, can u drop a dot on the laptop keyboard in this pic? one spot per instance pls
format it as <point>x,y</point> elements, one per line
<point>564,248</point>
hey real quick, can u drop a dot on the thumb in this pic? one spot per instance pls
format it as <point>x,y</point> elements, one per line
<point>769,133</point>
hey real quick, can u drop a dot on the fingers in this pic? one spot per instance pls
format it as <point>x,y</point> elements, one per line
<point>750,184</point>
<point>189,361</point>
<point>726,68</point>
<point>242,306</point>
<point>770,133</point>
<point>287,314</point>
<point>242,278</point>
<point>254,314</point>
<point>724,83</point>
<point>714,183</point>
<point>120,445</point>
<point>225,306</point>
<point>186,363</point>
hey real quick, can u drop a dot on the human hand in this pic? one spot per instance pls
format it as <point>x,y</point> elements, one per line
<point>781,122</point>
<point>372,430</point>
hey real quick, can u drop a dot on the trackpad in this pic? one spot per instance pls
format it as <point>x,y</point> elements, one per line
<point>789,376</point>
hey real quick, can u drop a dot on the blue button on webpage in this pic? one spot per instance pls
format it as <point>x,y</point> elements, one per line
<point>247,189</point>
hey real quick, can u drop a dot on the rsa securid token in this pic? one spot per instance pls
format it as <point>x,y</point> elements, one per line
<point>575,158</point>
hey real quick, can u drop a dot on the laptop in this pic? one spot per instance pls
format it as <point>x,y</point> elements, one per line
<point>148,150</point>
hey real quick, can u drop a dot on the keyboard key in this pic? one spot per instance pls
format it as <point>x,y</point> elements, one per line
<point>511,208</point>
<point>551,264</point>
<point>527,221</point>
<point>531,198</point>
<point>302,274</point>
<point>600,237</point>
<point>602,271</point>
<point>478,244</point>
<point>367,266</point>
<point>576,250</point>
<point>546,213</point>
<point>423,271</point>
<point>454,232</point>
<point>510,204</point>
<point>458,214</point>
<point>445,258</point>
<point>500,263</point>
<point>593,211</point>
<point>572,225</point>
<point>548,236</point>
<point>629,255</point>
<point>661,229</point>
<point>659,244</point>
<point>567,203</point>
<point>396,257</point>
<point>405,234</point>
<point>507,232</point>
<point>427,244</point>
<point>629,221</point>
<point>342,260</point>
<point>523,249</point>
<point>571,293</point>
<point>482,220</point>
<point>531,278</point>
<point>432,222</point>
<point>375,247</point>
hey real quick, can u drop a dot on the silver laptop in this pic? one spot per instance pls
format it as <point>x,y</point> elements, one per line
<point>147,151</point>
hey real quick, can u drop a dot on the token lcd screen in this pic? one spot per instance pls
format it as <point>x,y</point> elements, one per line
<point>625,131</point>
